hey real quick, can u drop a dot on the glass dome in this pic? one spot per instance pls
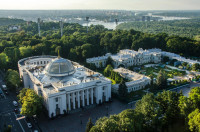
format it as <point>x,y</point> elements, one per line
<point>59,67</point>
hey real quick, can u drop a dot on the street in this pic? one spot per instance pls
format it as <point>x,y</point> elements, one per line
<point>7,114</point>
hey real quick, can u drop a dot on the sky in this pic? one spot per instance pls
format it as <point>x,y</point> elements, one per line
<point>101,4</point>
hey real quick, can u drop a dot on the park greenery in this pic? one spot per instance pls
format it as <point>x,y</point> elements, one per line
<point>12,80</point>
<point>161,80</point>
<point>31,102</point>
<point>7,21</point>
<point>156,113</point>
<point>185,28</point>
<point>108,72</point>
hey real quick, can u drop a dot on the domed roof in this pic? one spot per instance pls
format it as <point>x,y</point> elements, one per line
<point>59,67</point>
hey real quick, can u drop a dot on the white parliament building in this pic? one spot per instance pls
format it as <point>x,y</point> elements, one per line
<point>63,84</point>
<point>127,58</point>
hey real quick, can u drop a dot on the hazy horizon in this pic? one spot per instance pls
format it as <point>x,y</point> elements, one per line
<point>100,5</point>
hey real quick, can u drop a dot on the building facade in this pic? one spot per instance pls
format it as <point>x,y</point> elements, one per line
<point>127,58</point>
<point>136,81</point>
<point>64,85</point>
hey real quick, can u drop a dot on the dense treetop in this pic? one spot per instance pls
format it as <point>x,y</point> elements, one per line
<point>185,28</point>
<point>155,113</point>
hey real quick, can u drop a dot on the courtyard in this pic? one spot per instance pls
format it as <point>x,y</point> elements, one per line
<point>76,122</point>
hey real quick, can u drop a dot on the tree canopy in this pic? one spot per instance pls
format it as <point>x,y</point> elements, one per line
<point>31,102</point>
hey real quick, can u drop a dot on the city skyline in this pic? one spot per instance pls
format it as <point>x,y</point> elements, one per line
<point>103,4</point>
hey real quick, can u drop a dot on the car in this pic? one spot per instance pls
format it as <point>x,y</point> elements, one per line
<point>4,87</point>
<point>15,103</point>
<point>15,110</point>
<point>29,125</point>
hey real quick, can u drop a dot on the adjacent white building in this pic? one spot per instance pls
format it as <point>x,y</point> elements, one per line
<point>136,81</point>
<point>10,28</point>
<point>175,56</point>
<point>63,84</point>
<point>127,58</point>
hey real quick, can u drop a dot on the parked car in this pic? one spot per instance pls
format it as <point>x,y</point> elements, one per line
<point>15,103</point>
<point>29,125</point>
<point>6,93</point>
<point>15,110</point>
<point>4,87</point>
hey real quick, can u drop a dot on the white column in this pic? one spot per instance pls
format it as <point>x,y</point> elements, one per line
<point>83,99</point>
<point>73,96</point>
<point>78,98</point>
<point>69,103</point>
<point>87,97</point>
<point>91,95</point>
<point>106,93</point>
<point>97,95</point>
<point>100,93</point>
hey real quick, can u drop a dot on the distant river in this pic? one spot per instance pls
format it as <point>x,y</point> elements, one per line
<point>112,25</point>
<point>108,25</point>
<point>167,18</point>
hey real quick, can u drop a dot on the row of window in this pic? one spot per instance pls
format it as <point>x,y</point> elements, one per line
<point>135,88</point>
<point>40,62</point>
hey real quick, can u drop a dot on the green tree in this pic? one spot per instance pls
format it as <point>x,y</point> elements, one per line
<point>8,129</point>
<point>184,64</point>
<point>194,121</point>
<point>110,125</point>
<point>194,96</point>
<point>107,71</point>
<point>31,104</point>
<point>22,94</point>
<point>188,67</point>
<point>195,67</point>
<point>109,61</point>
<point>149,111</point>
<point>161,80</point>
<point>87,50</point>
<point>123,92</point>
<point>25,51</point>
<point>12,79</point>
<point>3,60</point>
<point>165,59</point>
<point>89,125</point>
<point>169,104</point>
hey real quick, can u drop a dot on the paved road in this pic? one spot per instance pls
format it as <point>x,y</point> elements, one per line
<point>7,114</point>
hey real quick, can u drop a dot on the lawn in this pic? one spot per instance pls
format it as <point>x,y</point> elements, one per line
<point>113,81</point>
<point>155,70</point>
